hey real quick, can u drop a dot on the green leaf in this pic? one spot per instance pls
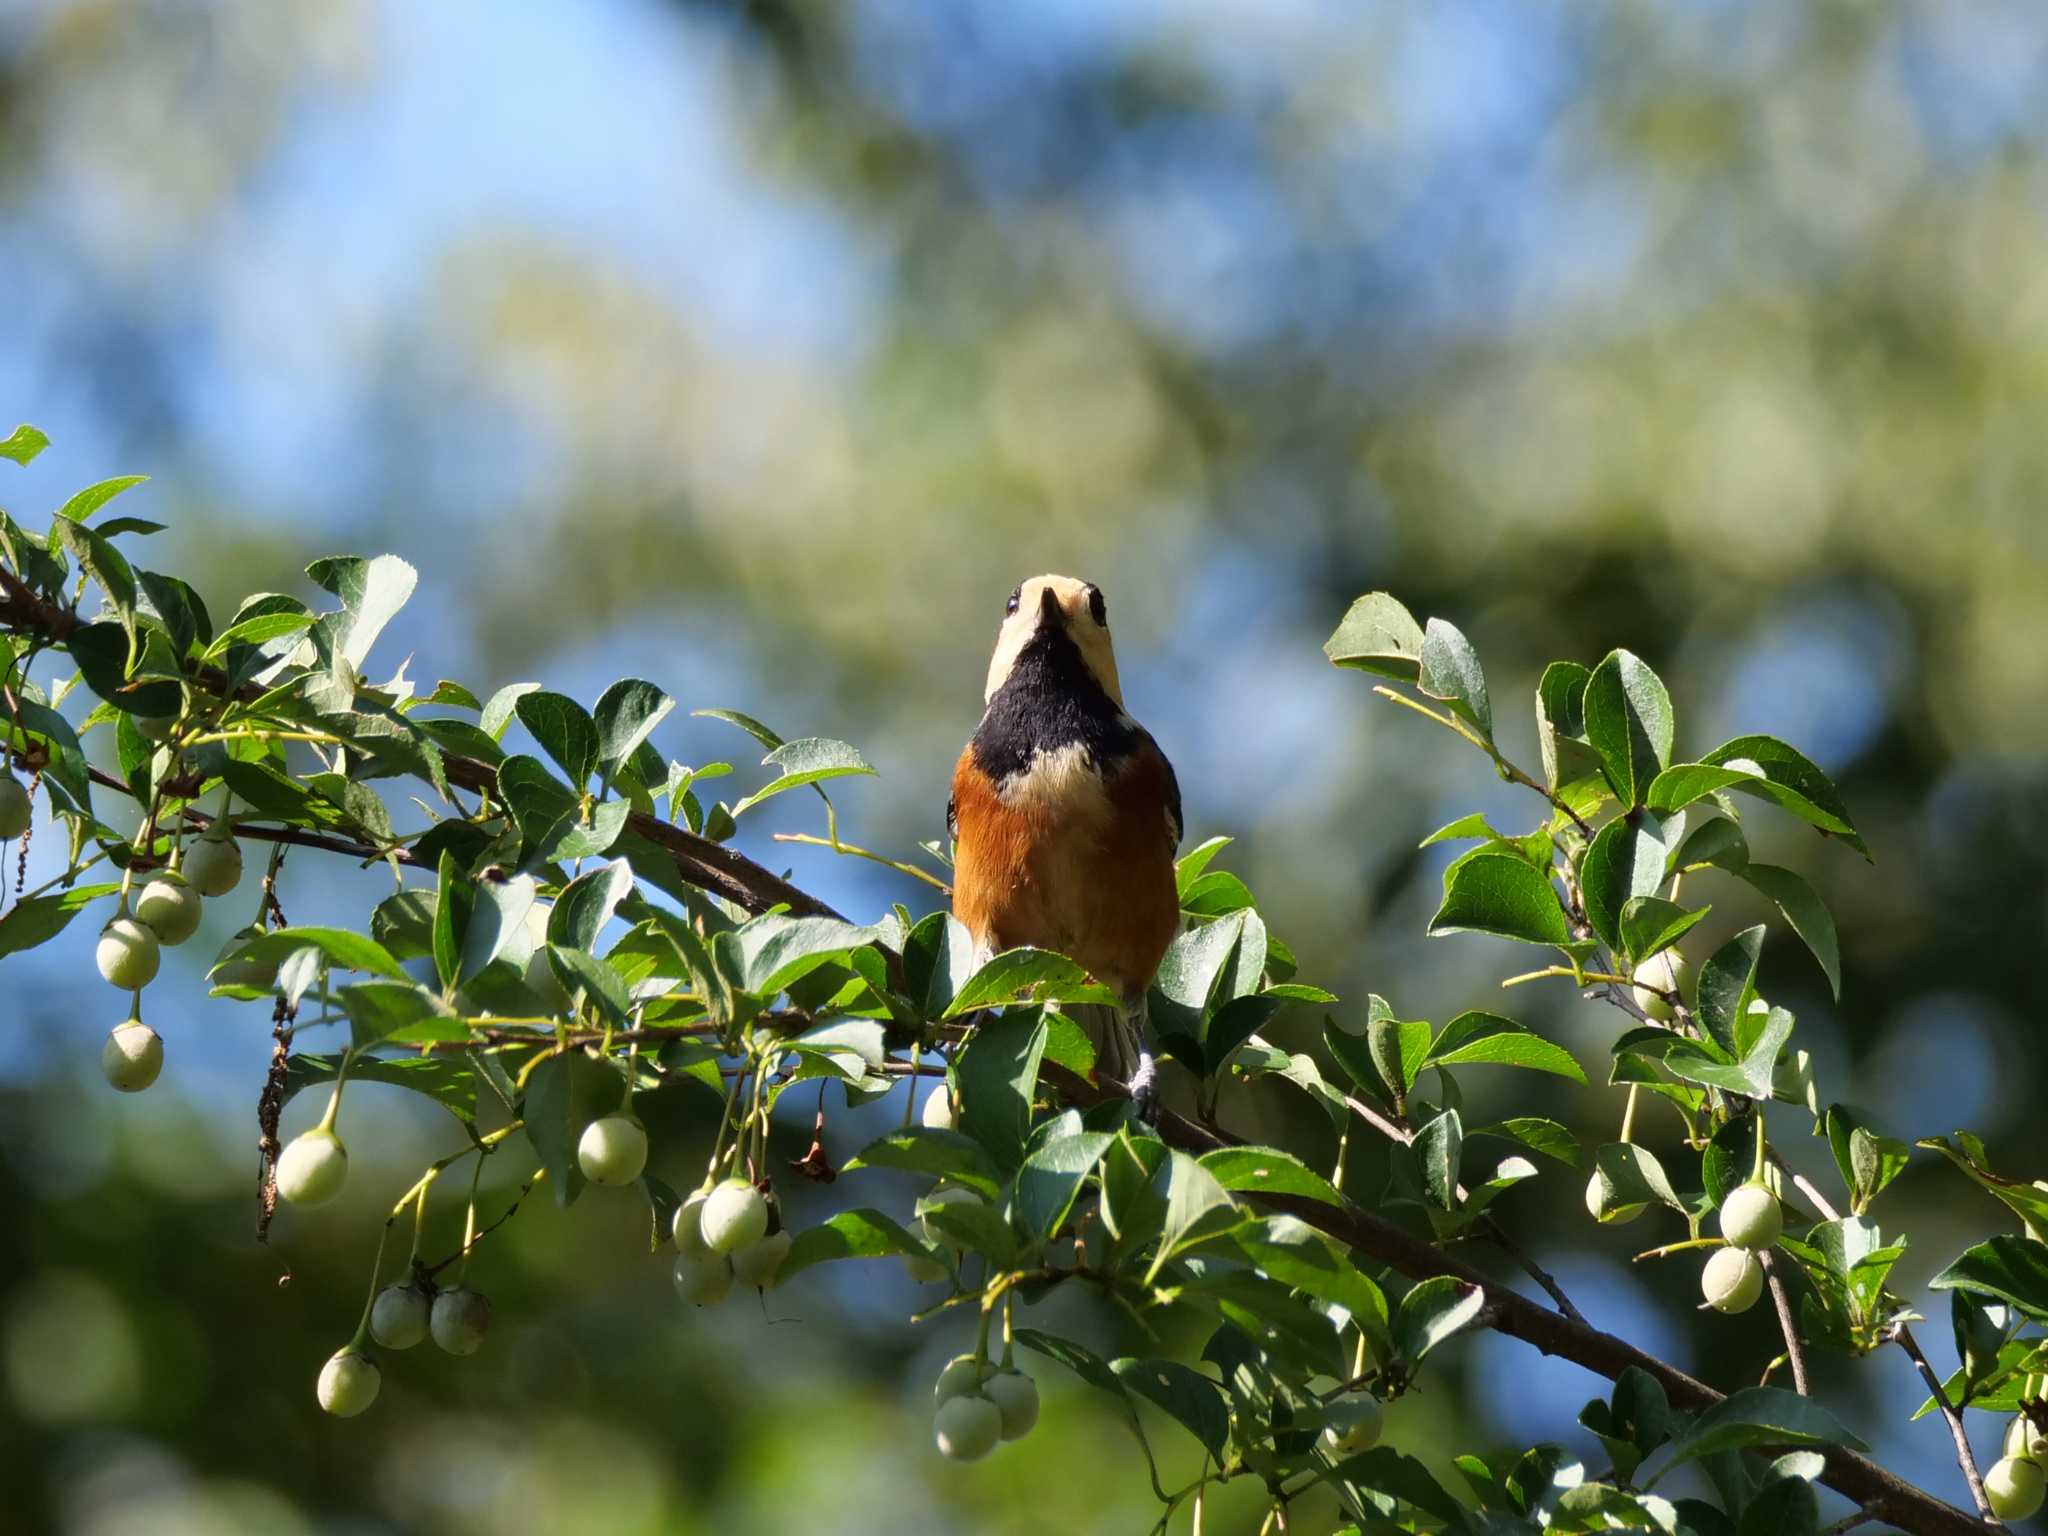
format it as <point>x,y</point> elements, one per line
<point>564,1094</point>
<point>778,950</point>
<point>2025,1200</point>
<point>976,1228</point>
<point>1477,1036</point>
<point>1502,895</point>
<point>1537,1134</point>
<point>106,565</point>
<point>587,904</point>
<point>1433,1311</point>
<point>371,593</point>
<point>1760,1416</point>
<point>88,501</point>
<point>937,1153</point>
<point>1094,1370</point>
<point>65,770</point>
<point>23,444</point>
<point>454,904</point>
<point>1378,634</point>
<point>1769,769</point>
<point>399,1012</point>
<point>747,723</point>
<point>448,1080</point>
<point>1805,911</point>
<point>2012,1269</point>
<point>1625,861</point>
<point>1439,1148</point>
<point>1635,1175</point>
<point>102,653</point>
<point>1191,1399</point>
<point>1191,865</point>
<point>1786,1506</point>
<point>1718,843</point>
<point>496,920</point>
<point>180,609</point>
<point>1449,670</point>
<point>38,919</point>
<point>350,951</point>
<point>1026,975</point>
<point>1727,986</point>
<point>1296,1254</point>
<point>1650,924</point>
<point>1194,1204</point>
<point>564,730</point>
<point>1051,1178</point>
<point>811,760</point>
<point>627,714</point>
<point>258,630</point>
<point>1561,722</point>
<point>600,983</point>
<point>1387,1471</point>
<point>1628,722</point>
<point>552,825</point>
<point>1268,1171</point>
<point>502,706</point>
<point>855,1234</point>
<point>997,1075</point>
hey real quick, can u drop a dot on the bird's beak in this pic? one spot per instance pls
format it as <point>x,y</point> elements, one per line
<point>1048,607</point>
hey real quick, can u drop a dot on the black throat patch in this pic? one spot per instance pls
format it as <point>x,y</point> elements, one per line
<point>1050,700</point>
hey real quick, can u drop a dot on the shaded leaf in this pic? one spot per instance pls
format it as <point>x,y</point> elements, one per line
<point>1378,634</point>
<point>1501,895</point>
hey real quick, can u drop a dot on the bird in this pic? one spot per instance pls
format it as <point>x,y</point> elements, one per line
<point>1066,816</point>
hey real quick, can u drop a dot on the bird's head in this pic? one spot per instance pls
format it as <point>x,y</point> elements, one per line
<point>1047,610</point>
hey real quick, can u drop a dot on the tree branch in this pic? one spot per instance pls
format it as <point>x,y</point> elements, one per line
<point>1965,1457</point>
<point>1794,1350</point>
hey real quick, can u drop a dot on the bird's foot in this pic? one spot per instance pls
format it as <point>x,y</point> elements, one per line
<point>1145,1088</point>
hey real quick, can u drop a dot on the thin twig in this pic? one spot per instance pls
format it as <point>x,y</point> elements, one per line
<point>1497,1235</point>
<point>1795,1351</point>
<point>1848,1522</point>
<point>1965,1457</point>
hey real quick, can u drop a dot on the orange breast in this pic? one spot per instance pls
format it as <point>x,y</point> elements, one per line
<point>1069,861</point>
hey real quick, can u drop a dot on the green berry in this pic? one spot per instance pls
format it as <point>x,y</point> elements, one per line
<point>734,1216</point>
<point>1732,1280</point>
<point>967,1428</point>
<point>938,1113</point>
<point>688,1228</point>
<point>128,954</point>
<point>213,862</point>
<point>313,1168</point>
<point>1016,1398</point>
<point>1666,971</point>
<point>15,808</point>
<point>923,1270</point>
<point>612,1150</point>
<point>348,1384</point>
<point>2015,1487</point>
<point>459,1319</point>
<point>1604,1203</point>
<point>757,1264</point>
<point>702,1279</point>
<point>1351,1425</point>
<point>1751,1217</point>
<point>398,1317</point>
<point>170,908</point>
<point>132,1056</point>
<point>2024,1438</point>
<point>961,1374</point>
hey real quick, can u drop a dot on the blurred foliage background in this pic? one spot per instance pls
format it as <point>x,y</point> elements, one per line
<point>761,348</point>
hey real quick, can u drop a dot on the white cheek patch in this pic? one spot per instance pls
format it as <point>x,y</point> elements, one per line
<point>1059,782</point>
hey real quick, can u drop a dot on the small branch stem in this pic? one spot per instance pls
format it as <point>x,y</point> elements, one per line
<point>1966,1459</point>
<point>1795,1351</point>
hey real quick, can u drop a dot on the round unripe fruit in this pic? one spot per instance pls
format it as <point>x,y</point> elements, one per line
<point>157,728</point>
<point>757,1263</point>
<point>923,1271</point>
<point>213,865</point>
<point>2024,1438</point>
<point>951,1194</point>
<point>2015,1487</point>
<point>348,1384</point>
<point>937,1113</point>
<point>1751,1217</point>
<point>1351,1425</point>
<point>1604,1202</point>
<point>734,1217</point>
<point>313,1168</point>
<point>688,1228</point>
<point>967,1428</point>
<point>398,1317</point>
<point>170,908</point>
<point>14,808</point>
<point>1665,971</point>
<point>612,1150</point>
<point>132,1056</point>
<point>1732,1280</point>
<point>128,954</point>
<point>962,1374</point>
<point>702,1279</point>
<point>1016,1398</point>
<point>459,1320</point>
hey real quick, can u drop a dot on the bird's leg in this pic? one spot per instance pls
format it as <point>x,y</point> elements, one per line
<point>1130,1027</point>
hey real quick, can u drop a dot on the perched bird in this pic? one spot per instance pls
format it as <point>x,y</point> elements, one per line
<point>1065,814</point>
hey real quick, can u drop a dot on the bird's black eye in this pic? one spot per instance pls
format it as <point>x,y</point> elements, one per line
<point>1016,596</point>
<point>1098,610</point>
